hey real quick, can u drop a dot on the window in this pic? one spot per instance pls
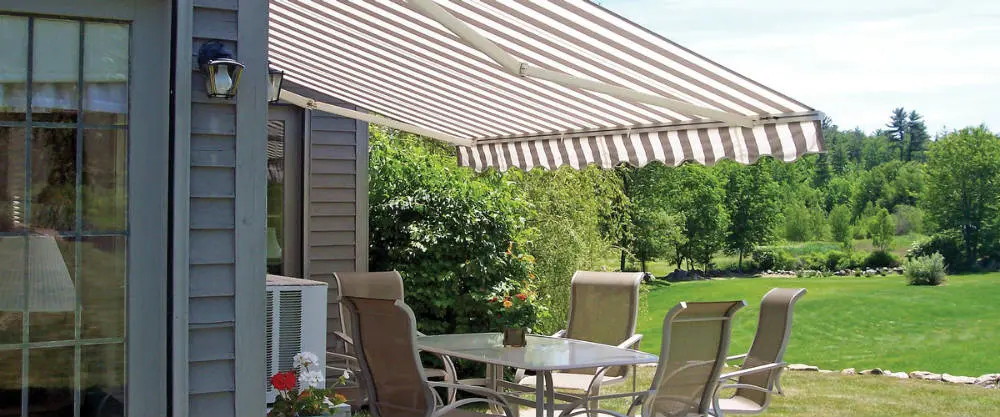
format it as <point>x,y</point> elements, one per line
<point>284,191</point>
<point>63,216</point>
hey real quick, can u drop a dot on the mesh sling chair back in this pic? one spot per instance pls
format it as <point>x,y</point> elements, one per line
<point>387,285</point>
<point>695,341</point>
<point>759,375</point>
<point>604,307</point>
<point>384,334</point>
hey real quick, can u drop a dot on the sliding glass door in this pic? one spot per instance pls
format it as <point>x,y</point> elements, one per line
<point>284,191</point>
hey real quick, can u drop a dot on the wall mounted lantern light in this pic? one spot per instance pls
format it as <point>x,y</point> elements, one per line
<point>222,72</point>
<point>274,80</point>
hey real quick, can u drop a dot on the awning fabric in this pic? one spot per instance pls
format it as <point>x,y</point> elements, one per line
<point>393,58</point>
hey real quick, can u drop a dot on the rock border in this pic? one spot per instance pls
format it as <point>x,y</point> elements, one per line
<point>990,381</point>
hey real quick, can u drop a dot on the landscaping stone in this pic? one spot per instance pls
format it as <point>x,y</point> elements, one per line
<point>988,381</point>
<point>802,367</point>
<point>958,379</point>
<point>900,375</point>
<point>849,371</point>
<point>826,371</point>
<point>926,376</point>
<point>875,371</point>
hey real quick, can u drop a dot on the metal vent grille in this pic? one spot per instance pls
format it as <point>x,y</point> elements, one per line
<point>269,326</point>
<point>289,327</point>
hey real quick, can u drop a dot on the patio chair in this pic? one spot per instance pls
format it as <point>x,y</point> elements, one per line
<point>760,372</point>
<point>385,335</point>
<point>603,309</point>
<point>372,284</point>
<point>693,353</point>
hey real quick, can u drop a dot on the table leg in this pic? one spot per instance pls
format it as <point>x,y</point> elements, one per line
<point>539,395</point>
<point>550,392</point>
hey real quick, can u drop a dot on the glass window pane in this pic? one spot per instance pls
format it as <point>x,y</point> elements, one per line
<point>275,195</point>
<point>102,280</point>
<point>13,67</point>
<point>53,179</point>
<point>10,382</point>
<point>12,153</point>
<point>51,289</point>
<point>12,250</point>
<point>50,381</point>
<point>105,73</point>
<point>105,191</point>
<point>102,379</point>
<point>55,71</point>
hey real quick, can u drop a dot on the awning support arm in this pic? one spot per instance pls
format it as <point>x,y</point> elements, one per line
<point>512,65</point>
<point>308,103</point>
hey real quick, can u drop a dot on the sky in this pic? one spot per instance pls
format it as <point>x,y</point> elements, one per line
<point>854,60</point>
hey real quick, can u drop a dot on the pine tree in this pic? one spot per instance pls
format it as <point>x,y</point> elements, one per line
<point>897,129</point>
<point>917,132</point>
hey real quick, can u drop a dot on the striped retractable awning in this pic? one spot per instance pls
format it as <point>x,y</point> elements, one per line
<point>534,83</point>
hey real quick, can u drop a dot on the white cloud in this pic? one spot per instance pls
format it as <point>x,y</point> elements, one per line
<point>853,59</point>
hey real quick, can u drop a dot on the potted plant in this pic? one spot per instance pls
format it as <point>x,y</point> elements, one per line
<point>513,306</point>
<point>300,395</point>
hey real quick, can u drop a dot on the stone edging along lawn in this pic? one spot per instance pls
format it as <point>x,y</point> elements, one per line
<point>991,381</point>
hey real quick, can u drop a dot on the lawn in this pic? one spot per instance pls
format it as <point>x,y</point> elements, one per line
<point>809,394</point>
<point>860,322</point>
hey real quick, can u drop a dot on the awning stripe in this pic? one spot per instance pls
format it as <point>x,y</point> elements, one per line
<point>707,146</point>
<point>567,82</point>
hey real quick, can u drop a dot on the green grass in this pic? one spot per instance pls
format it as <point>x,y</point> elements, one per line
<point>861,322</point>
<point>809,394</point>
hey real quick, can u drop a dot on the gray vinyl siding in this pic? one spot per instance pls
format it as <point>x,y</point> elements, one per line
<point>221,274</point>
<point>336,207</point>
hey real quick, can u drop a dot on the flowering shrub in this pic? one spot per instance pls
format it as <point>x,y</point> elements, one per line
<point>299,392</point>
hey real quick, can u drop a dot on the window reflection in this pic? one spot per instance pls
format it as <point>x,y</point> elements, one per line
<point>275,195</point>
<point>63,216</point>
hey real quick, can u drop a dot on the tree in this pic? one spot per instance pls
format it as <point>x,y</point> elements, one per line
<point>963,186</point>
<point>821,172</point>
<point>882,228</point>
<point>657,235</point>
<point>917,131</point>
<point>840,225</point>
<point>898,128</point>
<point>751,201</point>
<point>693,192</point>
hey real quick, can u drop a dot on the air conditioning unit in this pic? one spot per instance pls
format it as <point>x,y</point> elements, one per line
<point>296,322</point>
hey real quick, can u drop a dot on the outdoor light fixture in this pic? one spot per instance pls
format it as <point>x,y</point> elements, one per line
<point>222,72</point>
<point>274,80</point>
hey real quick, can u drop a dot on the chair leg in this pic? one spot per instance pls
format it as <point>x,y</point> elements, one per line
<point>594,404</point>
<point>777,383</point>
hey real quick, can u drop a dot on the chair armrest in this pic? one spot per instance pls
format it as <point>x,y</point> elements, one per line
<point>561,333</point>
<point>754,370</point>
<point>631,341</point>
<point>735,357</point>
<point>343,336</point>
<point>342,356</point>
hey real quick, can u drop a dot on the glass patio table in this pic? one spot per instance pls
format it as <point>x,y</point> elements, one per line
<point>542,354</point>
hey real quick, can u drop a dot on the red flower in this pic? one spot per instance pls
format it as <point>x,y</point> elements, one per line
<point>493,300</point>
<point>283,381</point>
<point>521,297</point>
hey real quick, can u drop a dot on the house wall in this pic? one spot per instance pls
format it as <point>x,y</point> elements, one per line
<point>335,211</point>
<point>218,256</point>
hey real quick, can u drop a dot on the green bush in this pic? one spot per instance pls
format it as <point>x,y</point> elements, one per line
<point>774,259</point>
<point>947,243</point>
<point>925,270</point>
<point>453,235</point>
<point>881,259</point>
